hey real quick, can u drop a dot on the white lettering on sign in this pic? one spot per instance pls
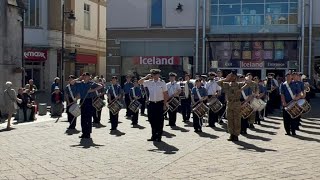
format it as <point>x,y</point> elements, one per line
<point>276,64</point>
<point>157,60</point>
<point>35,55</point>
<point>250,64</point>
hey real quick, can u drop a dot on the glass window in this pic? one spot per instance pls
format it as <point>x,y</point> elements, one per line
<point>276,19</point>
<point>253,9</point>
<point>252,1</point>
<point>86,17</point>
<point>230,1</point>
<point>293,18</point>
<point>229,20</point>
<point>272,1</point>
<point>252,20</point>
<point>293,8</point>
<point>214,20</point>
<point>214,1</point>
<point>214,9</point>
<point>156,13</point>
<point>277,8</point>
<point>32,14</point>
<point>229,9</point>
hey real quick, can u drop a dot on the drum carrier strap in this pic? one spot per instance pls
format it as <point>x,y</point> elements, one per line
<point>290,91</point>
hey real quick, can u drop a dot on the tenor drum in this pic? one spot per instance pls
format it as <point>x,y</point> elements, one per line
<point>200,110</point>
<point>214,104</point>
<point>246,110</point>
<point>75,110</point>
<point>115,107</point>
<point>262,105</point>
<point>305,105</point>
<point>134,106</point>
<point>174,103</point>
<point>293,109</point>
<point>98,103</point>
<point>258,104</point>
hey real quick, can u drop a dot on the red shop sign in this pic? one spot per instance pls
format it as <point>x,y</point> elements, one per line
<point>157,60</point>
<point>35,55</point>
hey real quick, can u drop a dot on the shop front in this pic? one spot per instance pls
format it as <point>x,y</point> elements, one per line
<point>35,60</point>
<point>140,65</point>
<point>256,57</point>
<point>83,63</point>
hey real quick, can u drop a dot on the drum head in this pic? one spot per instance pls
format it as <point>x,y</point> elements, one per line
<point>301,102</point>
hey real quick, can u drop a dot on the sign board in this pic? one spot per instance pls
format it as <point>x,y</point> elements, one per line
<point>35,55</point>
<point>157,60</point>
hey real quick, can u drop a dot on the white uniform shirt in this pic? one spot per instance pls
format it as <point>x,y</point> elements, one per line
<point>156,89</point>
<point>212,87</point>
<point>173,88</point>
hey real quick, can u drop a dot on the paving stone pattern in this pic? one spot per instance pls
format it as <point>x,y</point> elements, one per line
<point>44,150</point>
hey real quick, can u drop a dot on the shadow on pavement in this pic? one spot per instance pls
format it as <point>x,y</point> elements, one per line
<point>207,135</point>
<point>309,127</point>
<point>117,133</point>
<point>164,147</point>
<point>251,147</point>
<point>168,135</point>
<point>271,122</point>
<point>251,136</point>
<point>98,126</point>
<point>5,129</point>
<point>268,126</point>
<point>188,124</point>
<point>138,126</point>
<point>263,131</point>
<point>180,129</point>
<point>306,138</point>
<point>87,143</point>
<point>218,129</point>
<point>310,132</point>
<point>70,132</point>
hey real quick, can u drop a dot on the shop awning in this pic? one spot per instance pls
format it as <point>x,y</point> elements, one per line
<point>86,59</point>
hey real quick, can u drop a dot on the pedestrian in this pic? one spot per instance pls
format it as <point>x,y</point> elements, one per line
<point>56,103</point>
<point>10,101</point>
<point>71,97</point>
<point>233,89</point>
<point>158,96</point>
<point>87,89</point>
<point>55,83</point>
<point>114,94</point>
<point>99,94</point>
<point>135,95</point>
<point>174,90</point>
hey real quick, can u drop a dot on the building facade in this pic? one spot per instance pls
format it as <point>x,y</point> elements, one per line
<point>150,34</point>
<point>11,16</point>
<point>262,36</point>
<point>84,39</point>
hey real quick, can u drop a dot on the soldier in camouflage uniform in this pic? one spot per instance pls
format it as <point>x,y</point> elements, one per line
<point>233,89</point>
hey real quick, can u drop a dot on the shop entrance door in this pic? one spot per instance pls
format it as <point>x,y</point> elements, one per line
<point>253,72</point>
<point>34,74</point>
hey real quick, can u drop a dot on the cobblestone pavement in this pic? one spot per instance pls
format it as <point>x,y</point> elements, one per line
<point>44,150</point>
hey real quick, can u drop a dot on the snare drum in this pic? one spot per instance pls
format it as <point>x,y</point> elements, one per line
<point>75,110</point>
<point>98,103</point>
<point>174,103</point>
<point>246,110</point>
<point>200,110</point>
<point>134,106</point>
<point>214,104</point>
<point>294,109</point>
<point>258,104</point>
<point>115,107</point>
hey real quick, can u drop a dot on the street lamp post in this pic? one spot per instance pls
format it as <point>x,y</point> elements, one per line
<point>72,18</point>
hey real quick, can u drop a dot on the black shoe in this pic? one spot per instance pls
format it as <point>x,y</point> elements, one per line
<point>294,133</point>
<point>288,134</point>
<point>259,123</point>
<point>251,126</point>
<point>231,138</point>
<point>151,139</point>
<point>196,130</point>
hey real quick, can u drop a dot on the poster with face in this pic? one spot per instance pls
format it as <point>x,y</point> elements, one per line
<point>257,55</point>
<point>257,45</point>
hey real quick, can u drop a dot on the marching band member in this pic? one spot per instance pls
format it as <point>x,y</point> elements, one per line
<point>71,96</point>
<point>135,94</point>
<point>100,94</point>
<point>233,90</point>
<point>261,95</point>
<point>158,96</point>
<point>289,91</point>
<point>126,88</point>
<point>142,100</point>
<point>254,91</point>
<point>297,79</point>
<point>87,89</point>
<point>185,96</point>
<point>114,94</point>
<point>272,90</point>
<point>174,90</point>
<point>212,89</point>
<point>199,94</point>
<point>221,97</point>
